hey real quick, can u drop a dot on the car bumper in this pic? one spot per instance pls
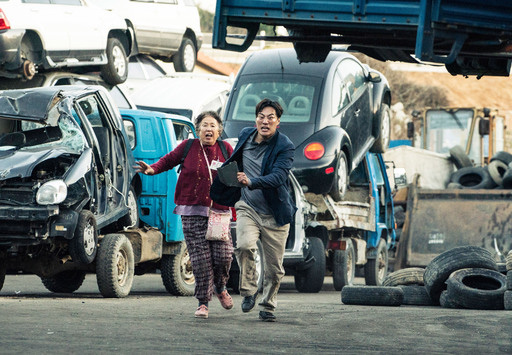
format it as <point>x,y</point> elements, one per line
<point>10,41</point>
<point>316,177</point>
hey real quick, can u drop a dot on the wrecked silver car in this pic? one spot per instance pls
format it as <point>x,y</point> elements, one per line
<point>66,175</point>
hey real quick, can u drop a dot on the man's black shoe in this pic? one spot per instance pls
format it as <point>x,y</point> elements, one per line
<point>267,316</point>
<point>249,302</point>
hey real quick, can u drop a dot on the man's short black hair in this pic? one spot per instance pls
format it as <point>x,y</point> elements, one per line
<point>269,103</point>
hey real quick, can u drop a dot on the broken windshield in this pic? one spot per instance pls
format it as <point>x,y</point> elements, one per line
<point>60,131</point>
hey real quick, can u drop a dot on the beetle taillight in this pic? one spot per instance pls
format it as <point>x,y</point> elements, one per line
<point>4,22</point>
<point>314,151</point>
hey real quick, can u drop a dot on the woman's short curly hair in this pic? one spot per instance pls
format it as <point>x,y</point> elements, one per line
<point>205,114</point>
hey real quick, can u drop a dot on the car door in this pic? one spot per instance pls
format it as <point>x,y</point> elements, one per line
<point>46,19</point>
<point>84,26</point>
<point>357,118</point>
<point>172,19</point>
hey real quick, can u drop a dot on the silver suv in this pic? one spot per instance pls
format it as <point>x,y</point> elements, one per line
<point>38,35</point>
<point>165,29</point>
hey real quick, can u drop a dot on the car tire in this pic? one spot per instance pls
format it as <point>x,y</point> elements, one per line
<point>507,300</point>
<point>440,268</point>
<point>375,270</point>
<point>84,245</point>
<point>372,295</point>
<point>341,178</point>
<point>115,266</point>
<point>116,70</point>
<point>31,56</point>
<point>64,282</point>
<point>416,295</point>
<point>473,178</point>
<point>459,157</point>
<point>132,219</point>
<point>447,302</point>
<point>497,170</point>
<point>344,266</point>
<point>185,59</point>
<point>383,123</point>
<point>502,156</point>
<point>176,273</point>
<point>3,271</point>
<point>311,279</point>
<point>407,276</point>
<point>476,288</point>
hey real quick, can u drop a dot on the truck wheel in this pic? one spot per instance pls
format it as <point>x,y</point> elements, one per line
<point>311,279</point>
<point>339,187</point>
<point>115,266</point>
<point>131,219</point>
<point>476,288</point>
<point>375,270</point>
<point>176,272</point>
<point>84,245</point>
<point>116,70</point>
<point>440,268</point>
<point>416,295</point>
<point>382,130</point>
<point>185,59</point>
<point>64,282</point>
<point>344,267</point>
<point>407,276</point>
<point>372,295</point>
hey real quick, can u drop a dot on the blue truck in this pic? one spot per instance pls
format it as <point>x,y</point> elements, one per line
<point>470,37</point>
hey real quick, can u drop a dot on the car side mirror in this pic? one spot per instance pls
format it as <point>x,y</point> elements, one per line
<point>374,77</point>
<point>484,127</point>
<point>410,130</point>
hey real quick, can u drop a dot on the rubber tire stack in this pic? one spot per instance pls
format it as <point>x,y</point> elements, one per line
<point>507,296</point>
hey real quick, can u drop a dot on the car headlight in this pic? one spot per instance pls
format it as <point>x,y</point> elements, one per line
<point>52,193</point>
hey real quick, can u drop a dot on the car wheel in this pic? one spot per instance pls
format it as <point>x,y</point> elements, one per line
<point>344,267</point>
<point>185,59</point>
<point>384,130</point>
<point>176,272</point>
<point>339,187</point>
<point>116,70</point>
<point>311,279</point>
<point>29,57</point>
<point>84,245</point>
<point>132,219</point>
<point>115,266</point>
<point>64,282</point>
<point>3,270</point>
<point>375,270</point>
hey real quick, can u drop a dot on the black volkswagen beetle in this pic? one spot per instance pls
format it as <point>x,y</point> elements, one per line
<point>334,112</point>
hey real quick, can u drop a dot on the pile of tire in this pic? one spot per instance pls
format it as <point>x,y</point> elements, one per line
<point>496,175</point>
<point>465,277</point>
<point>507,296</point>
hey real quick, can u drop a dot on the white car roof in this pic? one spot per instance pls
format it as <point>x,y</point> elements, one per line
<point>181,91</point>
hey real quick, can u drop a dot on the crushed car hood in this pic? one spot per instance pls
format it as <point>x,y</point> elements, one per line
<point>27,104</point>
<point>20,164</point>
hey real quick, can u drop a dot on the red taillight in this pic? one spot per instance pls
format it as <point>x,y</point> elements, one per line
<point>314,151</point>
<point>233,214</point>
<point>337,245</point>
<point>4,22</point>
<point>329,170</point>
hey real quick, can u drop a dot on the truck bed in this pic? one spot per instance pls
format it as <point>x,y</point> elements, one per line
<point>442,31</point>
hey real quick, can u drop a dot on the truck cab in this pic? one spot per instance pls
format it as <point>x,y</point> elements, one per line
<point>479,131</point>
